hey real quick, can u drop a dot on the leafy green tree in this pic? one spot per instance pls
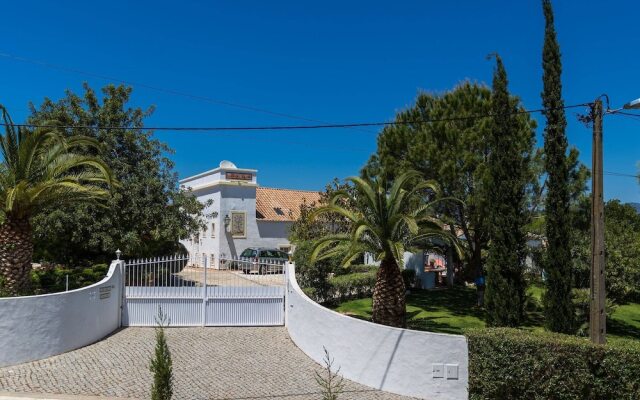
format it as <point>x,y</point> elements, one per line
<point>508,173</point>
<point>453,151</point>
<point>622,251</point>
<point>41,169</point>
<point>559,311</point>
<point>146,215</point>
<point>384,223</point>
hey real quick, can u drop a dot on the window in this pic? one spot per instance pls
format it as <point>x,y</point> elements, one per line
<point>213,229</point>
<point>238,224</point>
<point>212,261</point>
<point>248,253</point>
<point>270,254</point>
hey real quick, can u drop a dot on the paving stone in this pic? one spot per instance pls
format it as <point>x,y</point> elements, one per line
<point>208,363</point>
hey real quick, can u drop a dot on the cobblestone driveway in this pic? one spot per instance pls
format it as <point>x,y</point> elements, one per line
<point>208,363</point>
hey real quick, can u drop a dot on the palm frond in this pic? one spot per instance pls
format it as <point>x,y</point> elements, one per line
<point>39,168</point>
<point>332,208</point>
<point>324,242</point>
<point>366,189</point>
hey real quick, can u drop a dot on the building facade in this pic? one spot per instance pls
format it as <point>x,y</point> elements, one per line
<point>241,214</point>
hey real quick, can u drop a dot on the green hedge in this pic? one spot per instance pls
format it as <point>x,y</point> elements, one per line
<point>511,364</point>
<point>345,287</point>
<point>352,286</point>
<point>353,269</point>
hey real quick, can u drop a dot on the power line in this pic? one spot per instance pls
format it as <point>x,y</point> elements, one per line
<point>636,176</point>
<point>224,130</point>
<point>159,89</point>
<point>626,114</point>
<point>287,127</point>
<point>151,87</point>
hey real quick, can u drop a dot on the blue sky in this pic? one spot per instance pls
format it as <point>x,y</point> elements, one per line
<point>331,61</point>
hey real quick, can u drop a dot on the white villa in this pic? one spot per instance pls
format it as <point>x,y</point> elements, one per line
<point>242,213</point>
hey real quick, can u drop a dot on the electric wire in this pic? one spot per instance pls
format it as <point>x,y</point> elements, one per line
<point>319,124</point>
<point>626,114</point>
<point>160,89</point>
<point>286,127</point>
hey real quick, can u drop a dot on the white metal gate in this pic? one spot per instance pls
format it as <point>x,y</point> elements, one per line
<point>231,292</point>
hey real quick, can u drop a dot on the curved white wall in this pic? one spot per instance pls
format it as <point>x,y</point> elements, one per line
<point>36,327</point>
<point>395,360</point>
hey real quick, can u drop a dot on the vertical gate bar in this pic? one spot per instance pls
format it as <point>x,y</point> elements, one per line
<point>143,276</point>
<point>204,295</point>
<point>285,267</point>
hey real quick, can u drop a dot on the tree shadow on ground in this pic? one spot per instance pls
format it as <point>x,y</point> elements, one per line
<point>623,329</point>
<point>431,324</point>
<point>457,301</point>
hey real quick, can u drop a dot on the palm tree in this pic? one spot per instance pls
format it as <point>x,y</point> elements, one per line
<point>383,223</point>
<point>40,169</point>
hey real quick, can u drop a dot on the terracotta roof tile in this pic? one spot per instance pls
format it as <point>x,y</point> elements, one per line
<point>282,204</point>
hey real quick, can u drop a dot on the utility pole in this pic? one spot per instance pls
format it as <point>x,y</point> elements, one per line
<point>597,312</point>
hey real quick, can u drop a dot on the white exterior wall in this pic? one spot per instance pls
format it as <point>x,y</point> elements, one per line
<point>274,233</point>
<point>238,198</point>
<point>231,196</point>
<point>395,360</point>
<point>36,327</point>
<point>206,243</point>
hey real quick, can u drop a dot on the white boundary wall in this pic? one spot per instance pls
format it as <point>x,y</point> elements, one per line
<point>36,327</point>
<point>395,360</point>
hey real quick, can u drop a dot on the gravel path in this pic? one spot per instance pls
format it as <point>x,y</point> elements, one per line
<point>208,363</point>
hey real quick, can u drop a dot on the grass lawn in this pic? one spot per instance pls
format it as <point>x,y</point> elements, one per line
<point>453,311</point>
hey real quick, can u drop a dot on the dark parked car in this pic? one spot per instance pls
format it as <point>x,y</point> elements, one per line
<point>263,260</point>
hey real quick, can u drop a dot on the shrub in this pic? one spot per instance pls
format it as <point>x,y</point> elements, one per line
<point>355,268</point>
<point>581,304</point>
<point>344,287</point>
<point>512,364</point>
<point>52,280</point>
<point>311,292</point>
<point>409,278</point>
<point>309,275</point>
<point>352,286</point>
<point>161,364</point>
<point>330,382</point>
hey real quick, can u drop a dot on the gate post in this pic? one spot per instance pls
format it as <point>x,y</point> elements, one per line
<point>204,293</point>
<point>123,288</point>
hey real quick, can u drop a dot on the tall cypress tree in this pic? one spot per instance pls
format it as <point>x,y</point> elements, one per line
<point>508,172</point>
<point>557,299</point>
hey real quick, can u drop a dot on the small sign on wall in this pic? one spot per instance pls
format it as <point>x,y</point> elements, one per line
<point>105,292</point>
<point>238,176</point>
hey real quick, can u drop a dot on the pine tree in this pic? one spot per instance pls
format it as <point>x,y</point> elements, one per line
<point>559,313</point>
<point>507,176</point>
<point>161,365</point>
